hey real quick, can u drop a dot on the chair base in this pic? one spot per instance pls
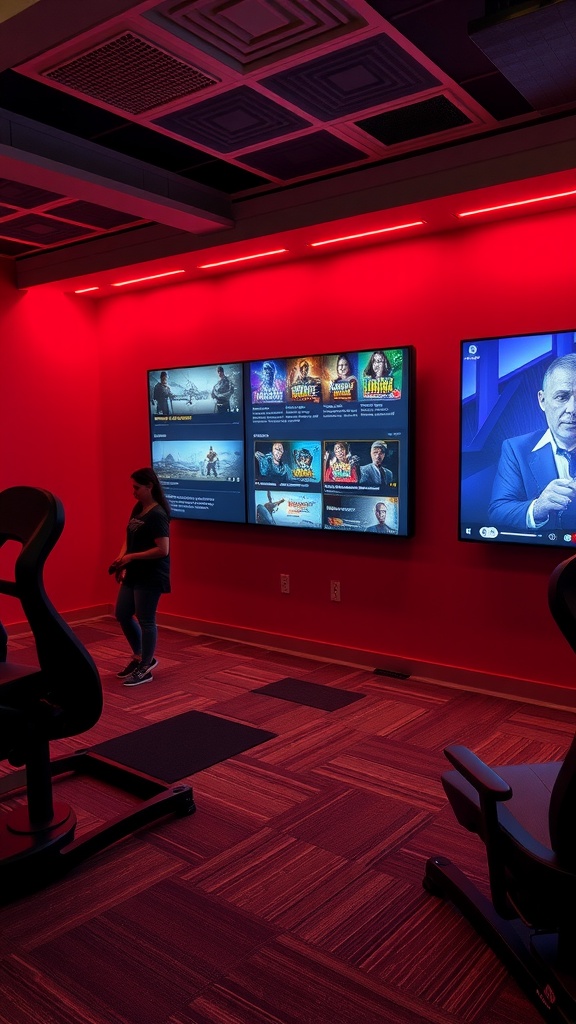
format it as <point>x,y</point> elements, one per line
<point>531,957</point>
<point>31,858</point>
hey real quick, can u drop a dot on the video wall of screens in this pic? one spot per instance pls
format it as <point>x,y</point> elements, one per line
<point>197,440</point>
<point>328,441</point>
<point>518,439</point>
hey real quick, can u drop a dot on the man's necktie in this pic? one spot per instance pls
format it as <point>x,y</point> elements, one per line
<point>570,458</point>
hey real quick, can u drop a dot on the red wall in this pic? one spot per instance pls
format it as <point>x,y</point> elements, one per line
<point>75,420</point>
<point>430,598</point>
<point>50,433</point>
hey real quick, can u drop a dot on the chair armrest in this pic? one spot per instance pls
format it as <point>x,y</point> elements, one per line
<point>485,781</point>
<point>491,790</point>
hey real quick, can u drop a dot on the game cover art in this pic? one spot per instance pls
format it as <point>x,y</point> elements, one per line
<point>280,462</point>
<point>304,379</point>
<point>339,378</point>
<point>341,465</point>
<point>268,381</point>
<point>381,374</point>
<point>360,514</point>
<point>287,508</point>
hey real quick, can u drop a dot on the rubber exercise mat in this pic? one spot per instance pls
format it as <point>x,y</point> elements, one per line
<point>313,695</point>
<point>182,745</point>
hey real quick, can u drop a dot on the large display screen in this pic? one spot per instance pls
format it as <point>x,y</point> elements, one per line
<point>518,439</point>
<point>197,439</point>
<point>328,441</point>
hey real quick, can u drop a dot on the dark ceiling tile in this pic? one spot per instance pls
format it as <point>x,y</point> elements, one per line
<point>233,120</point>
<point>95,216</point>
<point>14,248</point>
<point>414,121</point>
<point>42,230</point>
<point>367,74</point>
<point>6,211</point>
<point>535,49</point>
<point>440,30</point>
<point>225,177</point>
<point>50,106</point>
<point>497,96</point>
<point>25,196</point>
<point>153,147</point>
<point>311,154</point>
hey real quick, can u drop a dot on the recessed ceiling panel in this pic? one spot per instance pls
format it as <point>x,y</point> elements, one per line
<point>26,196</point>
<point>354,78</point>
<point>41,230</point>
<point>233,120</point>
<point>96,216</point>
<point>309,154</point>
<point>129,73</point>
<point>8,248</point>
<point>414,121</point>
<point>535,50</point>
<point>250,33</point>
<point>226,177</point>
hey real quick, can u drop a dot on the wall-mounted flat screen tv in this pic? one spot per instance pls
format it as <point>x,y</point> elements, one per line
<point>328,441</point>
<point>197,439</point>
<point>518,439</point>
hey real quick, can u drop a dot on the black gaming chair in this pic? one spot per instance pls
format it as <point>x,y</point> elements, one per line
<point>59,697</point>
<point>526,817</point>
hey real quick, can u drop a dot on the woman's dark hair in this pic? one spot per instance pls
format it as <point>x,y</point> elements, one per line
<point>386,368</point>
<point>146,477</point>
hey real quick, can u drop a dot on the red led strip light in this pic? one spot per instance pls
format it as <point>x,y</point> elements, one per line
<point>366,234</point>
<point>152,277</point>
<point>241,259</point>
<point>521,202</point>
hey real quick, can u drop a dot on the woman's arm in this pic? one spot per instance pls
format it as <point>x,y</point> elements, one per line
<point>160,550</point>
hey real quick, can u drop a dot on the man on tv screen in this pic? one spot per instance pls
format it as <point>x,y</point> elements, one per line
<point>271,465</point>
<point>375,473</point>
<point>265,511</point>
<point>535,483</point>
<point>212,462</point>
<point>222,392</point>
<point>380,525</point>
<point>163,396</point>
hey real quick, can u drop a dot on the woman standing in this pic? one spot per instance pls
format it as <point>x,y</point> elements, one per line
<point>143,571</point>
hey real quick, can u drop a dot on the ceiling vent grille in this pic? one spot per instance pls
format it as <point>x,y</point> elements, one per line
<point>130,74</point>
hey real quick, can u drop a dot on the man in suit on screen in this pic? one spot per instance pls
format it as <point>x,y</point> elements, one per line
<point>375,473</point>
<point>535,483</point>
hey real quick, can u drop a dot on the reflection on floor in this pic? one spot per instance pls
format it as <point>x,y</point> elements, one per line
<point>293,895</point>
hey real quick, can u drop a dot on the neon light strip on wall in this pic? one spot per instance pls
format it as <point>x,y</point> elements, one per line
<point>241,259</point>
<point>521,202</point>
<point>366,234</point>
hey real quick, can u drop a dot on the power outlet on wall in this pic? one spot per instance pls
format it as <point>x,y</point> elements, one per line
<point>284,583</point>
<point>334,590</point>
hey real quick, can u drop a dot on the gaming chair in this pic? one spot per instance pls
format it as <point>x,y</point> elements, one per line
<point>526,817</point>
<point>61,696</point>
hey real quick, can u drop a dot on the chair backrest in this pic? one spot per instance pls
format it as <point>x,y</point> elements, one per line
<point>562,812</point>
<point>562,598</point>
<point>70,681</point>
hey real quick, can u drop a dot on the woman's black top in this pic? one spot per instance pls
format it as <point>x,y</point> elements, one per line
<point>141,534</point>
